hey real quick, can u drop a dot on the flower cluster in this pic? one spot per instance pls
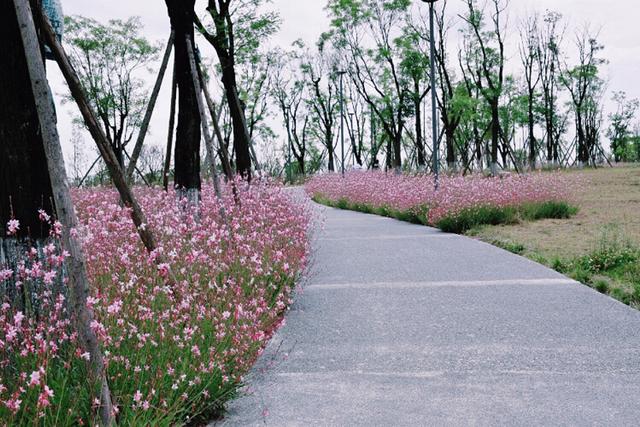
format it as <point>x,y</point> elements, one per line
<point>178,327</point>
<point>455,194</point>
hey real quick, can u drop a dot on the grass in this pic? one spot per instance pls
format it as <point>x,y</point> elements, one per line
<point>467,219</point>
<point>599,246</point>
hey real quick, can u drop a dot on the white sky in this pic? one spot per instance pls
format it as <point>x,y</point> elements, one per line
<point>306,19</point>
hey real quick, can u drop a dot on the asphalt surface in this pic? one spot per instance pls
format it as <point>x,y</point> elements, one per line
<point>401,324</point>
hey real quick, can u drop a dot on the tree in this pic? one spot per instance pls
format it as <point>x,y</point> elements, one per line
<point>323,102</point>
<point>289,90</point>
<point>188,131</point>
<point>25,186</point>
<point>108,59</point>
<point>414,66</point>
<point>530,53</point>
<point>551,36</point>
<point>620,132</point>
<point>236,29</point>
<point>488,70</point>
<point>585,87</point>
<point>356,124</point>
<point>151,162</point>
<point>376,71</point>
<point>451,97</point>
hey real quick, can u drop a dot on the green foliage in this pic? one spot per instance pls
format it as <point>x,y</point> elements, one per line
<point>513,247</point>
<point>468,219</point>
<point>551,209</point>
<point>624,144</point>
<point>473,217</point>
<point>110,60</point>
<point>613,268</point>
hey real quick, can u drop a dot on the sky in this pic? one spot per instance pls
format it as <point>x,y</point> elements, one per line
<point>618,27</point>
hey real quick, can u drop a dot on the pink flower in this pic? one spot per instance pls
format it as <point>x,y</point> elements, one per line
<point>6,274</point>
<point>163,269</point>
<point>34,379</point>
<point>13,226</point>
<point>44,217</point>
<point>137,397</point>
<point>13,405</point>
<point>43,398</point>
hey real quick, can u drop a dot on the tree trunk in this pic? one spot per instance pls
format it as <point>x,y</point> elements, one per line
<point>449,133</point>
<point>330,151</point>
<point>222,150</point>
<point>241,140</point>
<point>422,161</point>
<point>187,146</point>
<point>478,146</point>
<point>582,157</point>
<point>495,136</point>
<point>76,270</point>
<point>397,151</point>
<point>25,185</point>
<point>532,138</point>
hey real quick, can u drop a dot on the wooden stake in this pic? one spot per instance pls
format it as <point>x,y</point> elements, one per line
<point>78,280</point>
<point>172,119</point>
<point>135,154</point>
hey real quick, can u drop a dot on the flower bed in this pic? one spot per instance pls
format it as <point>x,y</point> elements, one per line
<point>460,203</point>
<point>175,352</point>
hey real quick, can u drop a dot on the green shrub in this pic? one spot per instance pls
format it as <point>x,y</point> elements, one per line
<point>516,248</point>
<point>601,286</point>
<point>473,217</point>
<point>559,265</point>
<point>550,209</point>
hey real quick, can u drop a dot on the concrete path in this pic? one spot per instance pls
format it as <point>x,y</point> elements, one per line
<point>403,325</point>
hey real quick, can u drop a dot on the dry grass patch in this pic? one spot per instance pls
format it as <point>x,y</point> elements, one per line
<point>610,199</point>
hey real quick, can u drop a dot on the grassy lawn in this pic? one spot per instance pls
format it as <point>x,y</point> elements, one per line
<point>599,246</point>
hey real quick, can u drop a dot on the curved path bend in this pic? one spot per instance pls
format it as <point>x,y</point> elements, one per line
<point>401,324</point>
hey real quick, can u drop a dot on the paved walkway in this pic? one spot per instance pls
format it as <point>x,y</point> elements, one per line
<point>404,325</point>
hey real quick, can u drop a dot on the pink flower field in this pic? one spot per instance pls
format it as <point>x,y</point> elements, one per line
<point>175,352</point>
<point>413,197</point>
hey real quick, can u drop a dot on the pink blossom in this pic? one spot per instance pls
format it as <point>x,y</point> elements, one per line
<point>13,226</point>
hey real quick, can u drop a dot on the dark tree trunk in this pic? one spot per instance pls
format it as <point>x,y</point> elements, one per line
<point>495,136</point>
<point>449,132</point>
<point>583,157</point>
<point>241,139</point>
<point>417,102</point>
<point>25,185</point>
<point>478,146</point>
<point>330,151</point>
<point>187,145</point>
<point>397,151</point>
<point>533,153</point>
<point>549,129</point>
